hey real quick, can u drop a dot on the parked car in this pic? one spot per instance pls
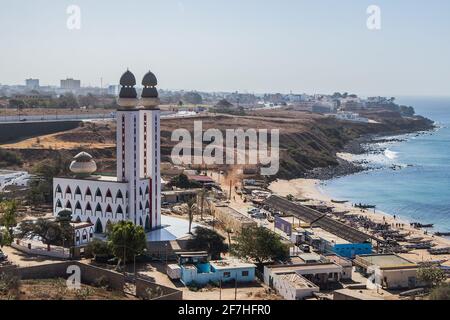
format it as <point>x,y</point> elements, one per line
<point>3,257</point>
<point>305,248</point>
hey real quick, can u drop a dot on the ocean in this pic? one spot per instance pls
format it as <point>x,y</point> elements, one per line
<point>409,176</point>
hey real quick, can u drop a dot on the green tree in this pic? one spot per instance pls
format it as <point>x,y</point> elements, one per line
<point>127,240</point>
<point>432,276</point>
<point>260,244</point>
<point>98,248</point>
<point>8,216</point>
<point>49,231</point>
<point>290,197</point>
<point>182,181</point>
<point>208,240</point>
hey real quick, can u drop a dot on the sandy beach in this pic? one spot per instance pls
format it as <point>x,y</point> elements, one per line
<point>310,189</point>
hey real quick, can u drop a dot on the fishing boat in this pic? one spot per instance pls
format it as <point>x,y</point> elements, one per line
<point>339,201</point>
<point>365,206</point>
<point>442,234</point>
<point>419,225</point>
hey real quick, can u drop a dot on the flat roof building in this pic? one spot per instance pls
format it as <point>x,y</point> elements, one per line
<point>390,270</point>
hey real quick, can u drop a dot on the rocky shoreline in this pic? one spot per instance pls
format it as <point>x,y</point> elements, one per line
<point>362,145</point>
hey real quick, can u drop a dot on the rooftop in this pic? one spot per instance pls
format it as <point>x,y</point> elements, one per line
<point>230,264</point>
<point>171,229</point>
<point>383,261</point>
<point>328,236</point>
<point>297,281</point>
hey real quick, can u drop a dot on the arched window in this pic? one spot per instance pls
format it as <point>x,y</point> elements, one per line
<point>88,209</point>
<point>147,223</point>
<point>98,209</point>
<point>78,192</point>
<point>98,194</point>
<point>140,221</point>
<point>88,193</point>
<point>78,209</point>
<point>77,237</point>
<point>108,194</point>
<point>119,210</point>
<point>88,220</point>
<point>84,236</point>
<point>68,191</point>
<point>140,206</point>
<point>58,204</point>
<point>98,226</point>
<point>91,231</point>
<point>147,191</point>
<point>119,196</point>
<point>140,191</point>
<point>109,209</point>
<point>126,194</point>
<point>147,205</point>
<point>78,219</point>
<point>58,190</point>
<point>68,205</point>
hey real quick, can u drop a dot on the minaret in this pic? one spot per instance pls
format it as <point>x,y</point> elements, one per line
<point>138,149</point>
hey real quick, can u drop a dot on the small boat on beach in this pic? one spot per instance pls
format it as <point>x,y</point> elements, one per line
<point>442,234</point>
<point>339,201</point>
<point>419,225</point>
<point>365,206</point>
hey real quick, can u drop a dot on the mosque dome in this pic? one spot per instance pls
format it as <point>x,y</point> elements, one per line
<point>83,164</point>
<point>128,94</point>
<point>128,79</point>
<point>149,96</point>
<point>149,80</point>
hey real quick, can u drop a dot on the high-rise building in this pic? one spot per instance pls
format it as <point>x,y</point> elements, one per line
<point>32,84</point>
<point>135,193</point>
<point>70,84</point>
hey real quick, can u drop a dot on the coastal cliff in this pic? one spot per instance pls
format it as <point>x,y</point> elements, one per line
<point>309,142</point>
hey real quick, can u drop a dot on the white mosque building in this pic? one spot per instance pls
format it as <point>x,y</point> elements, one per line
<point>135,193</point>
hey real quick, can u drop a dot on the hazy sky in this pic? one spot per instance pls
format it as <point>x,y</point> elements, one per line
<point>314,46</point>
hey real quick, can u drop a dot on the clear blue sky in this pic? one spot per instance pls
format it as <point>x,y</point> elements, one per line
<point>315,46</point>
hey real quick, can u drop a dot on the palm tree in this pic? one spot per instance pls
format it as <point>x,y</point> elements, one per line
<point>191,211</point>
<point>229,232</point>
<point>203,194</point>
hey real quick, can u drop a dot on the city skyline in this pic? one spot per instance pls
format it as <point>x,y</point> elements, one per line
<point>225,46</point>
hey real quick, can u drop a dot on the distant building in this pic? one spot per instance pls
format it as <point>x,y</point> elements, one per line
<point>350,116</point>
<point>113,90</point>
<point>70,84</point>
<point>32,84</point>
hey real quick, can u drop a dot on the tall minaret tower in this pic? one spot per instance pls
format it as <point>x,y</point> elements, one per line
<point>138,149</point>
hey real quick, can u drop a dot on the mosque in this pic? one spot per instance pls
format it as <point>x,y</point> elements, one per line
<point>134,194</point>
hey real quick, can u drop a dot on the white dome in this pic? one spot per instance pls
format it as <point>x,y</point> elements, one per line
<point>83,164</point>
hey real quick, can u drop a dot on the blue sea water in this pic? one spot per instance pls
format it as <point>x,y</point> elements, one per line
<point>420,190</point>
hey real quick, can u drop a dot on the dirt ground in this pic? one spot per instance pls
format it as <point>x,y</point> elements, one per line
<point>56,289</point>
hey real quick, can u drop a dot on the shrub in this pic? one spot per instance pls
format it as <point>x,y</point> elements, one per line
<point>8,282</point>
<point>102,282</point>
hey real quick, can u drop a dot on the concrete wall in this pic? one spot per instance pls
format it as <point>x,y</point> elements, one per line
<point>168,293</point>
<point>400,278</point>
<point>89,274</point>
<point>10,132</point>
